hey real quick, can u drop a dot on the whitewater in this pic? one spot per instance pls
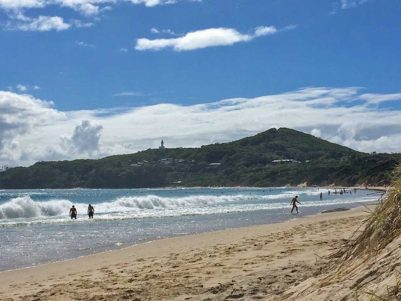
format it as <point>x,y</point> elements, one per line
<point>38,219</point>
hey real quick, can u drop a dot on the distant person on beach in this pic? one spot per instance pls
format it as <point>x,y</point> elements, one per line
<point>91,211</point>
<point>73,212</point>
<point>294,202</point>
<point>321,195</point>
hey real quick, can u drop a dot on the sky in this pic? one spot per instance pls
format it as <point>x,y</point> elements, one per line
<point>92,78</point>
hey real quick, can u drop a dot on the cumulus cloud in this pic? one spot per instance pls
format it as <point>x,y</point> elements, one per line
<point>16,9</point>
<point>32,130</point>
<point>85,139</point>
<point>21,4</point>
<point>264,31</point>
<point>86,7</point>
<point>19,114</point>
<point>204,38</point>
<point>41,23</point>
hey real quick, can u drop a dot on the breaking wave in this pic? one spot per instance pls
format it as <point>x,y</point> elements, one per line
<point>24,207</point>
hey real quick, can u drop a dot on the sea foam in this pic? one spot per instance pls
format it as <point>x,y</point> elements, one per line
<point>152,205</point>
<point>25,207</point>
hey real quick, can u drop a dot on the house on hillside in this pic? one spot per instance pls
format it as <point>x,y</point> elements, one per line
<point>285,161</point>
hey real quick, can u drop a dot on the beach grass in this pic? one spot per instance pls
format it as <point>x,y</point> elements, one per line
<point>380,228</point>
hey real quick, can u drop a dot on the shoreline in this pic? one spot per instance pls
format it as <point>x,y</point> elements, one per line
<point>379,188</point>
<point>183,235</point>
<point>280,217</point>
<point>57,238</point>
<point>92,267</point>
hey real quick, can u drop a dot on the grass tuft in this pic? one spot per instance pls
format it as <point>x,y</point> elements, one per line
<point>381,227</point>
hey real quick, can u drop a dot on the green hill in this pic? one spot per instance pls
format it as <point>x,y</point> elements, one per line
<point>272,158</point>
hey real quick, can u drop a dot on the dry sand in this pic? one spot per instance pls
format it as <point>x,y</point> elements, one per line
<point>260,262</point>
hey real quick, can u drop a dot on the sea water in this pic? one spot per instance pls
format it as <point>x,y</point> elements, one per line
<point>35,226</point>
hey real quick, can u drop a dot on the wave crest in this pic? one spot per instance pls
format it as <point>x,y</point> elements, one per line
<point>25,207</point>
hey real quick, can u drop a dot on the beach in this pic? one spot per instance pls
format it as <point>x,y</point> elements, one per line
<point>251,263</point>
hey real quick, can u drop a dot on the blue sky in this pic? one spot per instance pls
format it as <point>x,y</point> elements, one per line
<point>73,58</point>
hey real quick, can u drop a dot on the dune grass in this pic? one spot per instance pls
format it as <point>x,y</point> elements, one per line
<point>381,227</point>
<point>393,293</point>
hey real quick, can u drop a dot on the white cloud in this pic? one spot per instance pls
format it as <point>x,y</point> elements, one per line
<point>84,140</point>
<point>379,98</point>
<point>151,3</point>
<point>41,23</point>
<point>32,130</point>
<point>128,93</point>
<point>155,30</point>
<point>19,114</point>
<point>21,4</point>
<point>84,44</point>
<point>16,10</point>
<point>265,30</point>
<point>81,24</point>
<point>211,37</point>
<point>22,88</point>
<point>345,4</point>
<point>85,7</point>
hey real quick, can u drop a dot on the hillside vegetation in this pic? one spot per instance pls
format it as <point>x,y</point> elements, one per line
<point>246,162</point>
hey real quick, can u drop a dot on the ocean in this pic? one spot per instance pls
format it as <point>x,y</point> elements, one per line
<point>35,226</point>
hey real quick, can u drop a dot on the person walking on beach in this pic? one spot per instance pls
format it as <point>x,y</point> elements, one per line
<point>294,202</point>
<point>73,212</point>
<point>91,211</point>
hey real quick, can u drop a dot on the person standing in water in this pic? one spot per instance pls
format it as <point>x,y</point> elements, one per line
<point>73,212</point>
<point>321,195</point>
<point>294,202</point>
<point>91,211</point>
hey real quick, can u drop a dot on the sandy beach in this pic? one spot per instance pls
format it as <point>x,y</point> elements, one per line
<point>259,262</point>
